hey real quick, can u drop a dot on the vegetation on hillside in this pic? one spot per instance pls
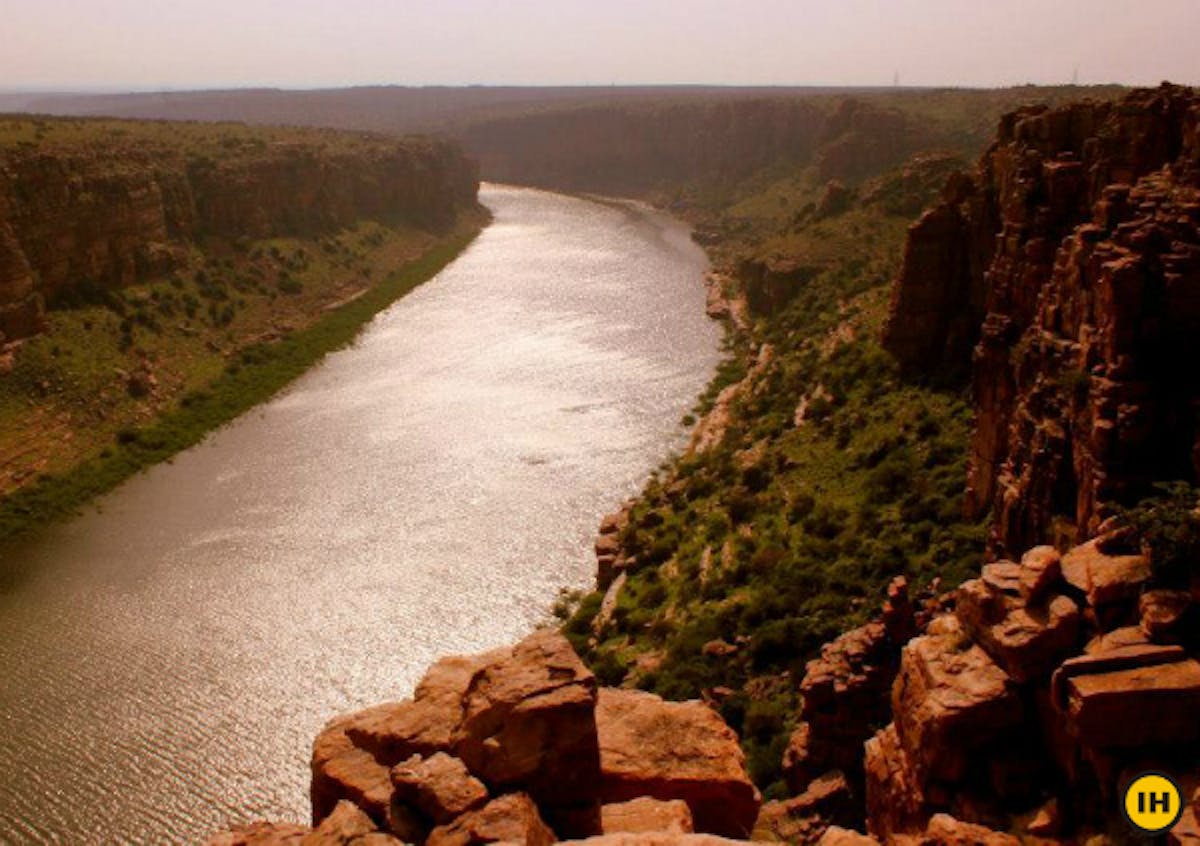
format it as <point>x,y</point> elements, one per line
<point>222,343</point>
<point>198,141</point>
<point>835,474</point>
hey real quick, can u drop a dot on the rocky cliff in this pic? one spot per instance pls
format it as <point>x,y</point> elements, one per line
<point>521,745</point>
<point>1028,699</point>
<point>84,217</point>
<point>637,147</point>
<point>1064,273</point>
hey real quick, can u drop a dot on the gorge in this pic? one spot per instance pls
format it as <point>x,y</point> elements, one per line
<point>195,632</point>
<point>926,562</point>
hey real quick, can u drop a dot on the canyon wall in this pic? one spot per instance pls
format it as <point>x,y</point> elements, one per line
<point>631,148</point>
<point>1064,274</point>
<point>105,216</point>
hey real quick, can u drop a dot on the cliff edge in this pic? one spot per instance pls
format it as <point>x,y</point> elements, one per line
<point>1064,275</point>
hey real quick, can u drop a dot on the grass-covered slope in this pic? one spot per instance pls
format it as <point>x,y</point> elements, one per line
<point>68,394</point>
<point>166,277</point>
<point>833,475</point>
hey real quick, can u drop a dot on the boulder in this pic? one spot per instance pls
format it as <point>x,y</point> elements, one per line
<point>838,836</point>
<point>1116,639</point>
<point>949,699</point>
<point>425,724</point>
<point>517,717</point>
<point>799,764</point>
<point>895,801</point>
<point>348,826</point>
<point>1108,697</point>
<point>440,786</point>
<point>646,815</point>
<point>1105,578</point>
<point>512,818</point>
<point>1041,569</point>
<point>1163,614</point>
<point>1028,641</point>
<point>846,692</point>
<point>801,819</point>
<point>1047,822</point>
<point>528,721</point>
<point>674,750</point>
<point>352,774</point>
<point>945,830</point>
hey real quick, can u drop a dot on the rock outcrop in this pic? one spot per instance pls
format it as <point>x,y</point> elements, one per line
<point>674,750</point>
<point>78,220</point>
<point>1029,703</point>
<point>1018,703</point>
<point>520,745</point>
<point>1070,262</point>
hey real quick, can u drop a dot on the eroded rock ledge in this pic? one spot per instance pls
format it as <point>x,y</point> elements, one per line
<point>521,745</point>
<point>1014,707</point>
<point>1028,698</point>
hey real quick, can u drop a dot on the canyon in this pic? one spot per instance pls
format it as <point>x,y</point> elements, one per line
<point>909,582</point>
<point>1062,275</point>
<point>76,219</point>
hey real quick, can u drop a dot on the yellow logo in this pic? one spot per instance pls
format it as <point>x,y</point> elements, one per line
<point>1152,803</point>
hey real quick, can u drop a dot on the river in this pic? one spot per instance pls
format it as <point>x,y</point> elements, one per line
<point>167,657</point>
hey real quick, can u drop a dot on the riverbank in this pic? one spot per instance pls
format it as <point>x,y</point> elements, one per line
<point>816,471</point>
<point>203,383</point>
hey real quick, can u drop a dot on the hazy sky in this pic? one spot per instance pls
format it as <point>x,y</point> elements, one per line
<point>305,43</point>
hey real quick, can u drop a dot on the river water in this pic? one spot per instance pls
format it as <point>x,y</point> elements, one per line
<point>167,658</point>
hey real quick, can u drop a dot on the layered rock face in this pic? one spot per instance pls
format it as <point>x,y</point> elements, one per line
<point>520,745</point>
<point>1025,708</point>
<point>75,221</point>
<point>1070,263</point>
<point>635,147</point>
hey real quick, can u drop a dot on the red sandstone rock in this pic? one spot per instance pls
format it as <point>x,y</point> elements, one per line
<point>1130,698</point>
<point>512,818</point>
<point>846,693</point>
<point>1117,639</point>
<point>674,750</point>
<point>837,836</point>
<point>520,716</point>
<point>947,701</point>
<point>348,826</point>
<point>1104,578</point>
<point>1163,613</point>
<point>440,787</point>
<point>801,819</point>
<point>352,774</point>
<point>646,815</point>
<point>425,724</point>
<point>1027,641</point>
<point>1047,822</point>
<point>1041,569</point>
<point>1063,263</point>
<point>945,830</point>
<point>528,722</point>
<point>895,801</point>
